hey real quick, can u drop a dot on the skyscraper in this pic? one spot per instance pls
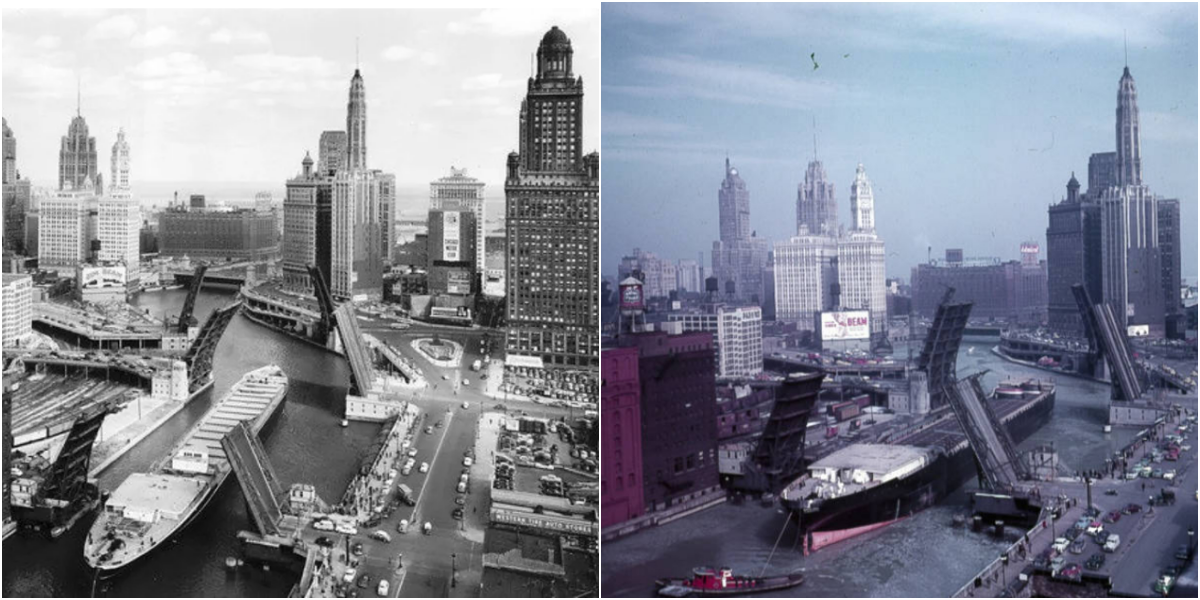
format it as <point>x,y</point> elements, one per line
<point>460,191</point>
<point>734,202</point>
<point>77,158</point>
<point>10,154</point>
<point>63,231</point>
<point>1170,253</point>
<point>17,196</point>
<point>739,256</point>
<point>816,204</point>
<point>1129,143</point>
<point>1073,254</point>
<point>300,228</point>
<point>1102,173</point>
<point>119,230</point>
<point>552,204</point>
<point>1132,270</point>
<point>119,179</point>
<point>355,259</point>
<point>356,124</point>
<point>805,279</point>
<point>331,152</point>
<point>862,201</point>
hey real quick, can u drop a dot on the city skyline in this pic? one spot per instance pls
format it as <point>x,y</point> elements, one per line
<point>262,87</point>
<point>992,104</point>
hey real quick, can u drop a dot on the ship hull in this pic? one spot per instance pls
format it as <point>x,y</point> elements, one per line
<point>839,519</point>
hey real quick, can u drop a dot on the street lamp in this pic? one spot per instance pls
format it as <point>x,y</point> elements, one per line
<point>453,570</point>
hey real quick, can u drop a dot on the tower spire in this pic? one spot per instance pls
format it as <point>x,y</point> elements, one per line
<point>355,53</point>
<point>1125,37</point>
<point>815,137</point>
<point>78,95</point>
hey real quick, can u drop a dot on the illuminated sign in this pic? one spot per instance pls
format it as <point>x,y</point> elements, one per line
<point>847,325</point>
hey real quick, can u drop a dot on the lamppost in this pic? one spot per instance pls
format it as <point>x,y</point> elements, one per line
<point>1004,570</point>
<point>453,570</point>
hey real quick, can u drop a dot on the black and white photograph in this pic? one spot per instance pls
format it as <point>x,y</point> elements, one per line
<point>301,302</point>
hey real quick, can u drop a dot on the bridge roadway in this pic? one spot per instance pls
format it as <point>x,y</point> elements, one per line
<point>256,477</point>
<point>357,354</point>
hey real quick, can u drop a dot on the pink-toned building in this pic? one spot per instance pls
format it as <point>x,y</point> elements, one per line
<point>621,496</point>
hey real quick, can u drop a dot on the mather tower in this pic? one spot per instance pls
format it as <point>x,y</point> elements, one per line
<point>356,125</point>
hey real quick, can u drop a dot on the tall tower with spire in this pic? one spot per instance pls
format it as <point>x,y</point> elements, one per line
<point>77,156</point>
<point>356,124</point>
<point>862,201</point>
<point>734,205</point>
<point>1129,145</point>
<point>552,112</point>
<point>816,204</point>
<point>120,163</point>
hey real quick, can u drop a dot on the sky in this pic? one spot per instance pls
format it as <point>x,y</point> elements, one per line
<point>969,119</point>
<point>240,95</point>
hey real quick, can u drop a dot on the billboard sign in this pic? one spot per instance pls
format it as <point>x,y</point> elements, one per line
<point>451,244</point>
<point>846,325</point>
<point>100,277</point>
<point>631,295</point>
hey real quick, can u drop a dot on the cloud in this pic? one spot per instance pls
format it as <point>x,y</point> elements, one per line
<point>159,36</point>
<point>619,123</point>
<point>489,81</point>
<point>685,76</point>
<point>403,53</point>
<point>1167,127</point>
<point>240,36</point>
<point>48,42</point>
<point>116,27</point>
<point>513,22</point>
<point>281,63</point>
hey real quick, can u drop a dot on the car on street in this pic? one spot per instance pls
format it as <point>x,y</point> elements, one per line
<point>1060,544</point>
<point>467,461</point>
<point>382,536</point>
<point>323,525</point>
<point>348,576</point>
<point>1095,527</point>
<point>457,514</point>
<point>1182,552</point>
<point>1169,475</point>
<point>424,467</point>
<point>346,529</point>
<point>445,377</point>
<point>1101,537</point>
<point>466,405</point>
<point>1078,546</point>
<point>382,590</point>
<point>363,581</point>
<point>1071,572</point>
<point>1111,544</point>
<point>1112,516</point>
<point>466,382</point>
<point>439,424</point>
<point>1095,563</point>
<point>357,549</point>
<point>460,500</point>
<point>324,541</point>
<point>1132,508</point>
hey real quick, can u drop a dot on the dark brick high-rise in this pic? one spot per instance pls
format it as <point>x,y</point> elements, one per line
<point>552,209</point>
<point>1072,256</point>
<point>677,381</point>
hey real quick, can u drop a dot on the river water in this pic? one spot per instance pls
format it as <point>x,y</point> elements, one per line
<point>305,444</point>
<point>923,555</point>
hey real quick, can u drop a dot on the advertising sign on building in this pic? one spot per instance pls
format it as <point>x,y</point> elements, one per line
<point>631,295</point>
<point>103,276</point>
<point>451,245</point>
<point>846,325</point>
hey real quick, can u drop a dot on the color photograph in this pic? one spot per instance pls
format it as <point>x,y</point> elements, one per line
<point>899,300</point>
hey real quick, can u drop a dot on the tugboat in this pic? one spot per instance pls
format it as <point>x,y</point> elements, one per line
<point>722,582</point>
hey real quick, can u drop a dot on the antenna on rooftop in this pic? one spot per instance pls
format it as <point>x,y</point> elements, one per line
<point>814,137</point>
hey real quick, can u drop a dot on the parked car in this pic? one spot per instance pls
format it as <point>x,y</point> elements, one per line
<point>460,500</point>
<point>324,541</point>
<point>382,536</point>
<point>1060,545</point>
<point>1111,544</point>
<point>382,590</point>
<point>1112,516</point>
<point>1078,546</point>
<point>424,467</point>
<point>346,529</point>
<point>348,576</point>
<point>1169,475</point>
<point>1095,563</point>
<point>357,549</point>
<point>457,514</point>
<point>428,429</point>
<point>466,405</point>
<point>364,581</point>
<point>1095,527</point>
<point>467,461</point>
<point>1071,572</point>
<point>1132,508</point>
<point>1101,537</point>
<point>324,525</point>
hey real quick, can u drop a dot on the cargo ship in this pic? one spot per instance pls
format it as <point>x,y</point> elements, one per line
<point>148,509</point>
<point>706,581</point>
<point>866,486</point>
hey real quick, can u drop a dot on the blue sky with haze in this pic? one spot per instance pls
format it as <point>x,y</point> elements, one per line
<point>969,118</point>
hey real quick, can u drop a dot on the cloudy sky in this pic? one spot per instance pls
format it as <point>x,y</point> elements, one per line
<point>239,95</point>
<point>969,119</point>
